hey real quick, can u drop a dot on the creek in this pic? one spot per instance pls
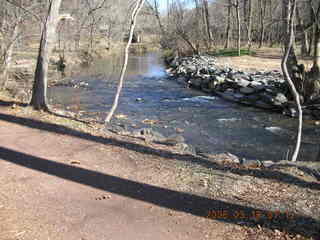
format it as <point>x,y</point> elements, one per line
<point>208,123</point>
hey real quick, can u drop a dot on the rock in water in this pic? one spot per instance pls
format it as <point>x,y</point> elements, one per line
<point>148,134</point>
<point>243,83</point>
<point>280,99</point>
<point>247,90</point>
<point>186,149</point>
<point>174,140</point>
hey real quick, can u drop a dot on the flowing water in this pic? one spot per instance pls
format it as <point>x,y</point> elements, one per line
<point>208,123</point>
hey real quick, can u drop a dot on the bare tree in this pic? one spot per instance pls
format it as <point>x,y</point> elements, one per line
<point>247,8</point>
<point>39,94</point>
<point>11,18</point>
<point>237,7</point>
<point>262,14</point>
<point>289,12</point>
<point>134,15</point>
<point>228,29</point>
<point>206,20</point>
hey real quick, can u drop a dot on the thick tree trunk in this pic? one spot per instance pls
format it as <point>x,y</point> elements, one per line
<point>39,94</point>
<point>135,13</point>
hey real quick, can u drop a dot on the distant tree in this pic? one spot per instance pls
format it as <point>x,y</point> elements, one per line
<point>12,17</point>
<point>228,29</point>
<point>236,4</point>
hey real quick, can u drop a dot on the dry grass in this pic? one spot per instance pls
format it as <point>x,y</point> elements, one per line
<point>264,59</point>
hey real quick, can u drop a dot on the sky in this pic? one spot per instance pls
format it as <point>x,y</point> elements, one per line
<point>163,4</point>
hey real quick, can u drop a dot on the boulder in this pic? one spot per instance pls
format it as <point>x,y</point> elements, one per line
<point>268,163</point>
<point>148,134</point>
<point>257,85</point>
<point>181,80</point>
<point>266,98</point>
<point>212,84</point>
<point>186,149</point>
<point>264,105</point>
<point>191,69</point>
<point>251,98</point>
<point>195,82</point>
<point>247,90</point>
<point>280,99</point>
<point>174,140</point>
<point>251,163</point>
<point>243,82</point>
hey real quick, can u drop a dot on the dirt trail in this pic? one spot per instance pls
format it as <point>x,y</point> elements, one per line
<point>43,200</point>
<point>77,183</point>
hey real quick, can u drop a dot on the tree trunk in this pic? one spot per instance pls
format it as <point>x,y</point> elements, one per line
<point>8,56</point>
<point>316,48</point>
<point>206,20</point>
<point>247,8</point>
<point>135,13</point>
<point>228,30</point>
<point>304,39</point>
<point>289,11</point>
<point>263,5</point>
<point>39,94</point>
<point>237,6</point>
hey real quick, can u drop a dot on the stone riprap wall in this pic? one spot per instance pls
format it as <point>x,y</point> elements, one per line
<point>267,90</point>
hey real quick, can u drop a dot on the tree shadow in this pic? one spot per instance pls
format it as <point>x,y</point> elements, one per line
<point>259,173</point>
<point>11,103</point>
<point>267,56</point>
<point>312,172</point>
<point>67,114</point>
<point>166,198</point>
<point>263,55</point>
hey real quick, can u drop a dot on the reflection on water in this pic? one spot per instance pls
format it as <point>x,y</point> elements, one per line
<point>209,123</point>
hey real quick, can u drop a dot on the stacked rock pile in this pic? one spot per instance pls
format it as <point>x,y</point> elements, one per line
<point>267,90</point>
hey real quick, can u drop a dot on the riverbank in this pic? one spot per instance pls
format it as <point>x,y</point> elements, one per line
<point>149,184</point>
<point>63,65</point>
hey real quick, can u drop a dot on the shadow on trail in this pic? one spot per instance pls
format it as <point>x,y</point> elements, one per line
<point>178,201</point>
<point>262,173</point>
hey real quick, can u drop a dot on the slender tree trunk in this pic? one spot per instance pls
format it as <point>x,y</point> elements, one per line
<point>247,8</point>
<point>316,48</point>
<point>304,39</point>
<point>206,20</point>
<point>157,15</point>
<point>228,30</point>
<point>237,6</point>
<point>289,10</point>
<point>311,39</point>
<point>199,29</point>
<point>262,4</point>
<point>39,94</point>
<point>8,56</point>
<point>135,13</point>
